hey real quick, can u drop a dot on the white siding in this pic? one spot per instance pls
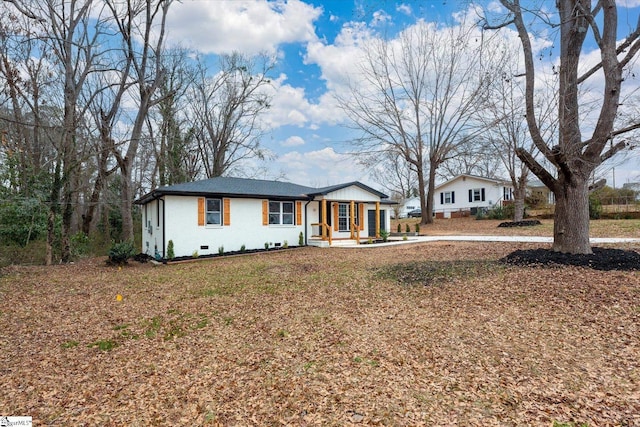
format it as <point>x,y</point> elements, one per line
<point>460,187</point>
<point>352,192</point>
<point>245,229</point>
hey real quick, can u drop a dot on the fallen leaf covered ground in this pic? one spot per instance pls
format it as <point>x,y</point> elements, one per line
<point>420,334</point>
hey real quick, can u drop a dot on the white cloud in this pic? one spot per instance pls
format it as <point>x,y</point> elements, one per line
<point>380,17</point>
<point>291,107</point>
<point>320,167</point>
<point>292,141</point>
<point>404,8</point>
<point>246,26</point>
<point>628,3</point>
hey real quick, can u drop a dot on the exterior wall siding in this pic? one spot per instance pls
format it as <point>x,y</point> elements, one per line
<point>493,194</point>
<point>246,224</point>
<point>352,193</point>
<point>245,229</point>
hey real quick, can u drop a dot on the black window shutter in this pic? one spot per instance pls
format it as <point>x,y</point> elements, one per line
<point>453,197</point>
<point>483,194</point>
<point>441,198</point>
<point>470,195</point>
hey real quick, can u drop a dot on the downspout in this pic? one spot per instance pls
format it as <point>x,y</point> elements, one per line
<point>163,229</point>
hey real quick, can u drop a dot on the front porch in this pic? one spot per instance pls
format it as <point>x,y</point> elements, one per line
<point>345,223</point>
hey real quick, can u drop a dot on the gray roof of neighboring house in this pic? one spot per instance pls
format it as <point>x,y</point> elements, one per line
<point>484,178</point>
<point>244,187</point>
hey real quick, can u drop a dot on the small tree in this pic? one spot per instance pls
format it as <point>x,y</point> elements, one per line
<point>170,251</point>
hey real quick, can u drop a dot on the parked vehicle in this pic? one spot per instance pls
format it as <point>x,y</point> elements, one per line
<point>416,213</point>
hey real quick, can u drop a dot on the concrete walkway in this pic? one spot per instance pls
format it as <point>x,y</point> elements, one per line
<point>523,239</point>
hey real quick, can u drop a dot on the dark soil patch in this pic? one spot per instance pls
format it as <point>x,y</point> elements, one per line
<point>604,259</point>
<point>527,223</point>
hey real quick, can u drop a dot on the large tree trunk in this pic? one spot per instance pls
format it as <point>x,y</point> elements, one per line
<point>424,200</point>
<point>126,202</point>
<point>427,217</point>
<point>518,202</point>
<point>571,221</point>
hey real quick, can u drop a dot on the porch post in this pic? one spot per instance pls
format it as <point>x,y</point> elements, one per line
<point>377,220</point>
<point>324,218</point>
<point>352,219</point>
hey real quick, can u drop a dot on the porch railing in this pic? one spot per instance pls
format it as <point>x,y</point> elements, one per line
<point>322,226</point>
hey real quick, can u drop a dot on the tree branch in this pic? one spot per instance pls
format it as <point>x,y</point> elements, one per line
<point>537,169</point>
<point>613,150</point>
<point>597,185</point>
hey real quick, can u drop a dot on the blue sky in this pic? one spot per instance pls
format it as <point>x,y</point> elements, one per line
<point>314,42</point>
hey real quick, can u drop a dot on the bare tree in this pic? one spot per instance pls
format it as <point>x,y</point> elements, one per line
<point>70,33</point>
<point>226,111</point>
<point>141,24</point>
<point>505,110</point>
<point>574,157</point>
<point>414,97</point>
<point>175,150</point>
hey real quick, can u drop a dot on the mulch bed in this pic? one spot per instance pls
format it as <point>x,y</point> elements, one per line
<point>525,223</point>
<point>604,259</point>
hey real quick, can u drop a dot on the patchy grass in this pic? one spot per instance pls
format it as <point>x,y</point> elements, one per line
<point>421,334</point>
<point>436,272</point>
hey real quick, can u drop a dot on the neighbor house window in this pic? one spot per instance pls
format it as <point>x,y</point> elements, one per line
<point>447,198</point>
<point>214,212</point>
<point>476,195</point>
<point>281,213</point>
<point>507,193</point>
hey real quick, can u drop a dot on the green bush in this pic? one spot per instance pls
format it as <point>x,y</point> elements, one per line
<point>220,250</point>
<point>243,248</point>
<point>399,228</point>
<point>301,239</point>
<point>595,206</point>
<point>121,252</point>
<point>80,245</point>
<point>417,227</point>
<point>407,228</point>
<point>171,254</point>
<point>23,221</point>
<point>384,234</point>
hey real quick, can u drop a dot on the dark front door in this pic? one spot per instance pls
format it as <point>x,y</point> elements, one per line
<point>371,219</point>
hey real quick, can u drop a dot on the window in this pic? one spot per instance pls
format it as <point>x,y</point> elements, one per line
<point>476,195</point>
<point>447,198</point>
<point>507,193</point>
<point>344,216</point>
<point>281,213</point>
<point>214,212</point>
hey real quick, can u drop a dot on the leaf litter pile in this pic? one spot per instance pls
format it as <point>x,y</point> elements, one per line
<point>323,337</point>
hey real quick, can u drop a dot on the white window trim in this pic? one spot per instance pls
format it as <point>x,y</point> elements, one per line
<point>444,198</point>
<point>206,213</point>
<point>281,214</point>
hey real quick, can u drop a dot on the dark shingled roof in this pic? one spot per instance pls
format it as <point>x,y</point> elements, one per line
<point>243,187</point>
<point>226,186</point>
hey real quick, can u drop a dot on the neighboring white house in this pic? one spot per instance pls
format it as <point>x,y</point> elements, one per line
<point>465,194</point>
<point>229,213</point>
<point>408,205</point>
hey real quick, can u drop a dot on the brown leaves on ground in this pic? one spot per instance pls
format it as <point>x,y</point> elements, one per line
<point>323,337</point>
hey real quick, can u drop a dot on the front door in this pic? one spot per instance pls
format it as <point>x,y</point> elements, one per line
<point>371,219</point>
